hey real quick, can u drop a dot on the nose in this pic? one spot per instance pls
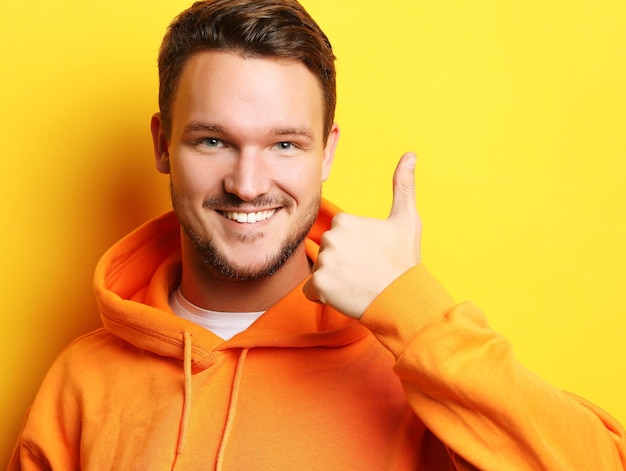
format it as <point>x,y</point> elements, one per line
<point>249,176</point>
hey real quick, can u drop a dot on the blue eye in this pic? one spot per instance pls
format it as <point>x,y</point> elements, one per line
<point>284,146</point>
<point>212,142</point>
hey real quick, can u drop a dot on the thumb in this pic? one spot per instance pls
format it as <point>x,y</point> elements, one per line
<point>404,187</point>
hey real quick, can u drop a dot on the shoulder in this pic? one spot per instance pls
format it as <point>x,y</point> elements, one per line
<point>98,350</point>
<point>95,342</point>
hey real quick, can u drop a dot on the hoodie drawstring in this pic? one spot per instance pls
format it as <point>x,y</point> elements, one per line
<point>184,422</point>
<point>232,408</point>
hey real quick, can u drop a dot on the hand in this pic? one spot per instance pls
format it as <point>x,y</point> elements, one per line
<point>359,257</point>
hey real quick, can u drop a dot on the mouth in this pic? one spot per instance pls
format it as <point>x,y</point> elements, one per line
<point>248,217</point>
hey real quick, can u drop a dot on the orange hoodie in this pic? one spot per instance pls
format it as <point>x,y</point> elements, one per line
<point>417,384</point>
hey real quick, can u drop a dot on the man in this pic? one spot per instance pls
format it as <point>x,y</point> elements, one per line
<point>244,331</point>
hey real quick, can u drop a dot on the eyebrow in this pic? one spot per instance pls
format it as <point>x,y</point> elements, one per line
<point>295,131</point>
<point>198,126</point>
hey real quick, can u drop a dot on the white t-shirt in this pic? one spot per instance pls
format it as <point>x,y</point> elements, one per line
<point>223,324</point>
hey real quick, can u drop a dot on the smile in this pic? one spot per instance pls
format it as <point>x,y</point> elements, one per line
<point>247,218</point>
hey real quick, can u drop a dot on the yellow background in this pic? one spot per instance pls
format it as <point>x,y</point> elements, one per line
<point>516,108</point>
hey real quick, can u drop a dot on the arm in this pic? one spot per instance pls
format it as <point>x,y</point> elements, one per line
<point>51,433</point>
<point>460,377</point>
<point>23,458</point>
<point>463,381</point>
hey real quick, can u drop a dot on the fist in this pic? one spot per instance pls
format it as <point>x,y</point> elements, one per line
<point>359,257</point>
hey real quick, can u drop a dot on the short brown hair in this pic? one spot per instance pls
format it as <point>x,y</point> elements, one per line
<point>272,28</point>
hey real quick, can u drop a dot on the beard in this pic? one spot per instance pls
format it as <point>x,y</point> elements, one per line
<point>217,262</point>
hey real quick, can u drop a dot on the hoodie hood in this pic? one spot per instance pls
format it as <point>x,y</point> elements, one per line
<point>134,279</point>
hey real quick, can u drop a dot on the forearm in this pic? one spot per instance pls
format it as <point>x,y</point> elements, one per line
<point>462,380</point>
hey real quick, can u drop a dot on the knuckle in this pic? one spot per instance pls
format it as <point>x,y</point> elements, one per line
<point>317,284</point>
<point>340,219</point>
<point>327,242</point>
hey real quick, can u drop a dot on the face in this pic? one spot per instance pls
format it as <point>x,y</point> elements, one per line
<point>246,158</point>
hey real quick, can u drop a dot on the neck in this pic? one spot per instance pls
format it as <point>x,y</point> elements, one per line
<point>208,290</point>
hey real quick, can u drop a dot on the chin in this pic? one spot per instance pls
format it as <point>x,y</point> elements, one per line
<point>245,268</point>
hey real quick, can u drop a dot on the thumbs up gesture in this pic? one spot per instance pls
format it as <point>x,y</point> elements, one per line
<point>359,257</point>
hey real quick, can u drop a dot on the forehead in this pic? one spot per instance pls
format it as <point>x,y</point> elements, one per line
<point>235,90</point>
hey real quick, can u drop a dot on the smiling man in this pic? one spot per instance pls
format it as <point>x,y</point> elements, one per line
<point>257,328</point>
<point>247,153</point>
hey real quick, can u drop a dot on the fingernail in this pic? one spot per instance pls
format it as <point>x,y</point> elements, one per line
<point>412,161</point>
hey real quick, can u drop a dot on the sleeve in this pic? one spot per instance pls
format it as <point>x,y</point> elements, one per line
<point>50,435</point>
<point>463,381</point>
<point>24,458</point>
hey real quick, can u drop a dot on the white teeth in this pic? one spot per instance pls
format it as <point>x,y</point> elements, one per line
<point>249,217</point>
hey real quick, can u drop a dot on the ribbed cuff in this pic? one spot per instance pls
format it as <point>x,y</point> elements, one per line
<point>408,305</point>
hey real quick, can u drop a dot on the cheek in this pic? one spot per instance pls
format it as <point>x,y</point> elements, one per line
<point>198,180</point>
<point>303,182</point>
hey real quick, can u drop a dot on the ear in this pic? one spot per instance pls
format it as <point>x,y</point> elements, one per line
<point>329,151</point>
<point>160,144</point>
